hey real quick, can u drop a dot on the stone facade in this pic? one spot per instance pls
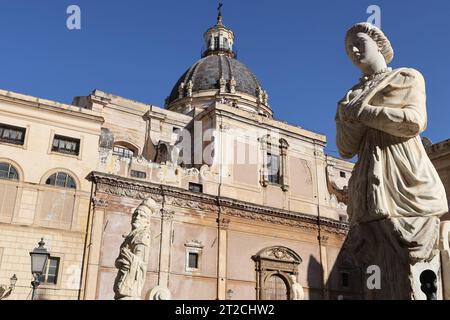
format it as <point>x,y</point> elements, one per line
<point>439,154</point>
<point>33,207</point>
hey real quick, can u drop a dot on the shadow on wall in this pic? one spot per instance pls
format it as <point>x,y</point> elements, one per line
<point>345,281</point>
<point>314,279</point>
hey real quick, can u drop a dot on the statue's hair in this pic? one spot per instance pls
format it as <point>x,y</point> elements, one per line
<point>147,206</point>
<point>376,34</point>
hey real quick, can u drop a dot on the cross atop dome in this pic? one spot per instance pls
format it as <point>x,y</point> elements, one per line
<point>219,13</point>
<point>219,39</point>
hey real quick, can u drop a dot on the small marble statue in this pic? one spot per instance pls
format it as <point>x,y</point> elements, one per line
<point>134,253</point>
<point>297,289</point>
<point>5,291</point>
<point>395,195</point>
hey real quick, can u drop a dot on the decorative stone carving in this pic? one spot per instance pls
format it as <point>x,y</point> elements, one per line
<point>223,223</point>
<point>134,253</point>
<point>181,90</point>
<point>265,98</point>
<point>160,293</point>
<point>194,244</point>
<point>5,291</point>
<point>189,88</point>
<point>297,290</point>
<point>117,186</point>
<point>337,188</point>
<point>232,85</point>
<point>167,214</point>
<point>260,93</point>
<point>223,85</point>
<point>277,260</point>
<point>99,203</point>
<point>395,194</point>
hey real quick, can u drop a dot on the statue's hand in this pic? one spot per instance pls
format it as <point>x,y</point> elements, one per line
<point>124,259</point>
<point>352,111</point>
<point>122,264</point>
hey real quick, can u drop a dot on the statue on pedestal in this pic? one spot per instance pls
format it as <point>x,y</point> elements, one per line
<point>395,195</point>
<point>134,253</point>
<point>297,289</point>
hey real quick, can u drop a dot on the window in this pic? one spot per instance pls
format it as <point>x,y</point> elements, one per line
<point>342,174</point>
<point>275,164</point>
<point>50,275</point>
<point>11,134</point>
<point>123,152</point>
<point>8,191</point>
<point>225,43</point>
<point>61,179</point>
<point>216,43</point>
<point>194,250</point>
<point>8,172</point>
<point>193,260</point>
<point>345,279</point>
<point>66,145</point>
<point>138,174</point>
<point>273,168</point>
<point>195,187</point>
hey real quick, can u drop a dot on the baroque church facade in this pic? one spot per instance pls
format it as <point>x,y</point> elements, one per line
<point>245,201</point>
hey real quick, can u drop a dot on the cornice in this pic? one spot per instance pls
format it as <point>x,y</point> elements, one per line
<point>173,196</point>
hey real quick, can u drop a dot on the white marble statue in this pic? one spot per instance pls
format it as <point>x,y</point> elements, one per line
<point>297,289</point>
<point>394,192</point>
<point>134,253</point>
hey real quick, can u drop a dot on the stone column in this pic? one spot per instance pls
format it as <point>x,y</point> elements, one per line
<point>93,248</point>
<point>223,224</point>
<point>324,263</point>
<point>284,165</point>
<point>165,246</point>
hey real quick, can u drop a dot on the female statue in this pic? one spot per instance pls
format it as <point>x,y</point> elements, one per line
<point>395,192</point>
<point>134,253</point>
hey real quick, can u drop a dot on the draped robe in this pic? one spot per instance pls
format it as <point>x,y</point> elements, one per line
<point>393,180</point>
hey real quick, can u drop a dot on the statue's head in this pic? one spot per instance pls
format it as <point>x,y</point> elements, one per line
<point>293,277</point>
<point>141,216</point>
<point>367,45</point>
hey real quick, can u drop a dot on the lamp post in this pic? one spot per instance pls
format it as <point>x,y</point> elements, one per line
<point>39,257</point>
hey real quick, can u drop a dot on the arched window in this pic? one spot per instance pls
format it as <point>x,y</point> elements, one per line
<point>124,150</point>
<point>8,172</point>
<point>8,191</point>
<point>61,179</point>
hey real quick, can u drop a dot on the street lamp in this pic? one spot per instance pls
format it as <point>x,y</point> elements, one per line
<point>13,281</point>
<point>39,257</point>
<point>229,294</point>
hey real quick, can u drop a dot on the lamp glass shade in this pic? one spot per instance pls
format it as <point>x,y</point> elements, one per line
<point>39,257</point>
<point>13,280</point>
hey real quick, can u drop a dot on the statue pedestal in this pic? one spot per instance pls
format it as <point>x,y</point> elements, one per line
<point>388,272</point>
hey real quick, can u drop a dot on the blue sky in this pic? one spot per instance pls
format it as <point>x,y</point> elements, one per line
<point>138,49</point>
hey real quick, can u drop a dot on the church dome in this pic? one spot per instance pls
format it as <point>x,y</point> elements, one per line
<point>208,72</point>
<point>218,77</point>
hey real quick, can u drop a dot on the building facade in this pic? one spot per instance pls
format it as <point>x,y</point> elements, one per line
<point>244,200</point>
<point>46,151</point>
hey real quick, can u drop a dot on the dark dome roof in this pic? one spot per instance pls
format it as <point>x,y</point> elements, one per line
<point>206,73</point>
